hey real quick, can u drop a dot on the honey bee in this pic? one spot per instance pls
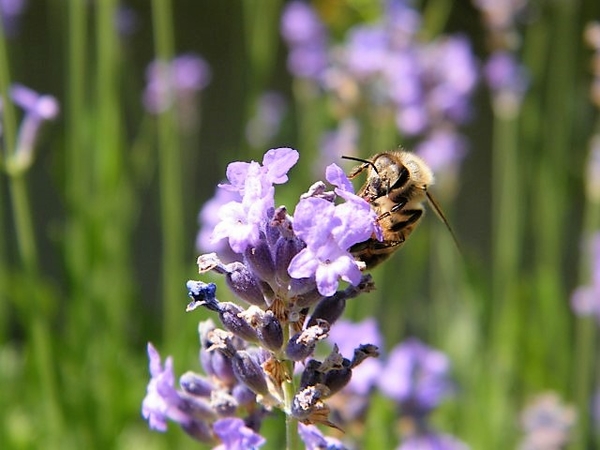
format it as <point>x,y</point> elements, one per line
<point>396,188</point>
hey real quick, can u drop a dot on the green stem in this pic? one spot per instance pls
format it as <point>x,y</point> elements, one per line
<point>38,328</point>
<point>289,389</point>
<point>507,204</point>
<point>170,184</point>
<point>586,330</point>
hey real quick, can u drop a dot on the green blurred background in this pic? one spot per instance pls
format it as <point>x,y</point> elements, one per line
<point>98,235</point>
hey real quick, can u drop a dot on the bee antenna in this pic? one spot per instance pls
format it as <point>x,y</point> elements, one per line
<point>365,161</point>
<point>438,211</point>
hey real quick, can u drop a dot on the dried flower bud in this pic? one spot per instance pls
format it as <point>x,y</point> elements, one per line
<point>302,344</point>
<point>215,364</point>
<point>311,376</point>
<point>363,352</point>
<point>331,308</point>
<point>309,408</point>
<point>201,293</point>
<point>223,404</point>
<point>336,379</point>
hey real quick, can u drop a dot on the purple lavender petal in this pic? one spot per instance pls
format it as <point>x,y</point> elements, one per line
<point>278,162</point>
<point>235,435</point>
<point>162,399</point>
<point>315,440</point>
<point>314,219</point>
<point>336,176</point>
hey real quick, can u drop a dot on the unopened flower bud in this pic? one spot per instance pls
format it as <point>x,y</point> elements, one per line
<point>243,395</point>
<point>196,407</point>
<point>270,333</point>
<point>249,372</point>
<point>196,384</point>
<point>198,430</point>
<point>308,299</point>
<point>230,315</point>
<point>259,260</point>
<point>285,250</point>
<point>329,309</point>
<point>244,284</point>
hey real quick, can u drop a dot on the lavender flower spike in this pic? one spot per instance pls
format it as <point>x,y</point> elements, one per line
<point>329,231</point>
<point>241,222</point>
<point>38,108</point>
<point>164,402</point>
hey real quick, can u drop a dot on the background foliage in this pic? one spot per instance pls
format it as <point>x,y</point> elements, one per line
<point>97,236</point>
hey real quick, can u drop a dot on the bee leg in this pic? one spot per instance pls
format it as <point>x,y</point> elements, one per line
<point>413,216</point>
<point>357,170</point>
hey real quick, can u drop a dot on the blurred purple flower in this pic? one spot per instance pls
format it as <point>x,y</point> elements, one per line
<point>443,150</point>
<point>366,51</point>
<point>126,20</point>
<point>314,440</point>
<point>403,20</point>
<point>329,231</point>
<point>241,222</point>
<point>416,376</point>
<point>348,336</point>
<point>451,69</point>
<point>546,422</point>
<point>500,14</point>
<point>235,435</point>
<point>506,78</point>
<point>264,125</point>
<point>432,441</point>
<point>38,109</point>
<point>585,300</point>
<point>10,14</point>
<point>175,82</point>
<point>306,37</point>
<point>341,142</point>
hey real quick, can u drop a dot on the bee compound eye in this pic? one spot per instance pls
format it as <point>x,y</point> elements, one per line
<point>400,178</point>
